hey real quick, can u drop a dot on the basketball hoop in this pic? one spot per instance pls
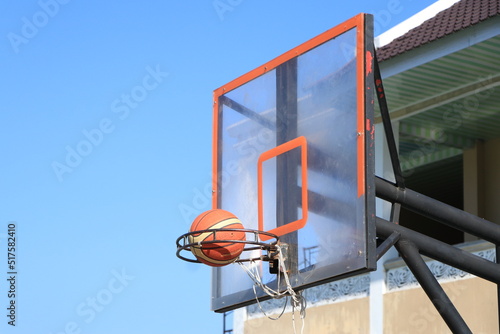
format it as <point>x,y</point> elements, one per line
<point>252,243</point>
<point>274,254</point>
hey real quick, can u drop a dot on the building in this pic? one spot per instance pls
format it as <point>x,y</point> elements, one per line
<point>441,71</point>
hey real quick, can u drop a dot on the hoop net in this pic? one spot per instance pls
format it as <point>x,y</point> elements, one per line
<point>297,300</point>
<point>274,253</point>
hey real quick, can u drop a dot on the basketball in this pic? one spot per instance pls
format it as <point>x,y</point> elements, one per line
<point>221,253</point>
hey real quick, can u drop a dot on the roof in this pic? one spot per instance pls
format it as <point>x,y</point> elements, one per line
<point>441,79</point>
<point>459,16</point>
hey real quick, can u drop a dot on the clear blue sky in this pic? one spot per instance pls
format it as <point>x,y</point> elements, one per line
<point>106,135</point>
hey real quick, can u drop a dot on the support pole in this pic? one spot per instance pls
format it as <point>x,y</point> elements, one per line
<point>443,252</point>
<point>497,258</point>
<point>431,287</point>
<point>438,211</point>
<point>386,121</point>
<point>387,244</point>
<point>287,200</point>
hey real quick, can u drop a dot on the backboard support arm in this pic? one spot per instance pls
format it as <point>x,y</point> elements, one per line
<point>430,285</point>
<point>386,121</point>
<point>411,244</point>
<point>287,165</point>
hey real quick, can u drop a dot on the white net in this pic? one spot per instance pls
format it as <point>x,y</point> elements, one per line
<point>298,302</point>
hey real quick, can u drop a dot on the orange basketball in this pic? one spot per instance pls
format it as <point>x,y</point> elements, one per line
<point>216,254</point>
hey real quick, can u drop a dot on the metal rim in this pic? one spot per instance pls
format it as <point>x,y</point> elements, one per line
<point>254,243</point>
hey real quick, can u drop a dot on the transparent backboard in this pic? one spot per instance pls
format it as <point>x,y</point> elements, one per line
<point>293,155</point>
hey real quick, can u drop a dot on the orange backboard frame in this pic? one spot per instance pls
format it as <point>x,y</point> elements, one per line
<point>357,21</point>
<point>236,115</point>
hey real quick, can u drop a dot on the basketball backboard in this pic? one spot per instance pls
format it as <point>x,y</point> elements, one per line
<point>293,155</point>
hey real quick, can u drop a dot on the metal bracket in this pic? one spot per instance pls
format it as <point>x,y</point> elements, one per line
<point>387,244</point>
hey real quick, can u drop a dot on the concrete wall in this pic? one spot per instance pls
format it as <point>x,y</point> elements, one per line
<point>492,180</point>
<point>411,311</point>
<point>482,180</point>
<point>339,318</point>
<point>407,311</point>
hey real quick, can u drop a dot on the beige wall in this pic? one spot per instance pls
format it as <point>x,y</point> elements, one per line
<point>492,180</point>
<point>473,160</point>
<point>406,311</point>
<point>339,318</point>
<point>482,180</point>
<point>411,311</point>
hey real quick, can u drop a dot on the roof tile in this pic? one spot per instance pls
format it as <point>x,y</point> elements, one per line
<point>461,15</point>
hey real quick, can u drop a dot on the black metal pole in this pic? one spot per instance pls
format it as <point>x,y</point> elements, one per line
<point>386,121</point>
<point>225,329</point>
<point>439,211</point>
<point>497,258</point>
<point>287,200</point>
<point>249,113</point>
<point>443,252</point>
<point>431,287</point>
<point>387,244</point>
